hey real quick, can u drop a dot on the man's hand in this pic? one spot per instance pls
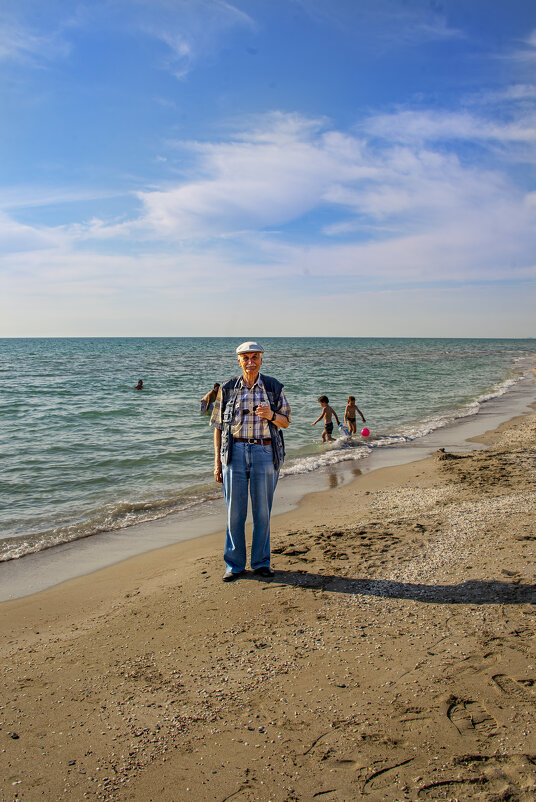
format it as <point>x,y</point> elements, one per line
<point>264,411</point>
<point>218,475</point>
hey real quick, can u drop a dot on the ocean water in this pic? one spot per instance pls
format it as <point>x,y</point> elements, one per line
<point>84,452</point>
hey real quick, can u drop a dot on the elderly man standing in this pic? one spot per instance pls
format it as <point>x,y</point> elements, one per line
<point>249,413</point>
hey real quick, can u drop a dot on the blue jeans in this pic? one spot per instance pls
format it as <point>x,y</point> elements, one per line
<point>253,465</point>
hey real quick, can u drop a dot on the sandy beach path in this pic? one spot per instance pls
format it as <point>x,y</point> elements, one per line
<point>391,658</point>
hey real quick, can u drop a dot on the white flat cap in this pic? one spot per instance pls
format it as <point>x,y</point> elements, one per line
<point>250,347</point>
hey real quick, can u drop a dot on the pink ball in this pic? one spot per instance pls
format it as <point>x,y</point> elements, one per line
<point>365,432</point>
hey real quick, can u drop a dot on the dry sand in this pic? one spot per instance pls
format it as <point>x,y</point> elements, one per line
<point>391,658</point>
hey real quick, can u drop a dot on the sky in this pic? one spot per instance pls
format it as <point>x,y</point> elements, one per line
<point>257,168</point>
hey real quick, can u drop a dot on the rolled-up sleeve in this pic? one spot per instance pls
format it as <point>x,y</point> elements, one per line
<point>284,406</point>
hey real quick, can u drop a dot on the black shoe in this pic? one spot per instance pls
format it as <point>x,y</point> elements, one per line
<point>229,576</point>
<point>265,570</point>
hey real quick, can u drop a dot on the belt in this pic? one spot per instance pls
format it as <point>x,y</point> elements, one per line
<point>258,442</point>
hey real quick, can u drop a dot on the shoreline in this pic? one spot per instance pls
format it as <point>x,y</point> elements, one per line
<point>392,657</point>
<point>36,572</point>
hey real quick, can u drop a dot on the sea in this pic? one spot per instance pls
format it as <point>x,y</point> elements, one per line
<point>84,452</point>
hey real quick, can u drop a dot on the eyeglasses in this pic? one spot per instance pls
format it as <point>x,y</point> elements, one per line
<point>246,411</point>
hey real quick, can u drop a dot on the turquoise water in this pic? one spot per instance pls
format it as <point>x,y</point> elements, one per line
<point>83,452</point>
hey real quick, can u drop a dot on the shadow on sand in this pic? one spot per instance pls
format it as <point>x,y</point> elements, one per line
<point>474,591</point>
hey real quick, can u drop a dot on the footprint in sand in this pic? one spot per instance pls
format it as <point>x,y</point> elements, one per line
<point>336,555</point>
<point>508,776</point>
<point>291,550</point>
<point>453,789</point>
<point>522,689</point>
<point>469,716</point>
<point>296,551</point>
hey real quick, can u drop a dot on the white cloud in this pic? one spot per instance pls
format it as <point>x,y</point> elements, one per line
<point>17,237</point>
<point>405,213</point>
<point>267,177</point>
<point>422,126</point>
<point>191,31</point>
<point>393,22</point>
<point>181,53</point>
<point>485,247</point>
<point>25,197</point>
<point>526,52</point>
<point>20,44</point>
<point>417,212</point>
<point>515,94</point>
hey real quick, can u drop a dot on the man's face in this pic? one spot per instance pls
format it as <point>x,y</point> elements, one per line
<point>251,361</point>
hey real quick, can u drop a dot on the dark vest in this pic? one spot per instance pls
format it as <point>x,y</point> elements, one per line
<point>229,395</point>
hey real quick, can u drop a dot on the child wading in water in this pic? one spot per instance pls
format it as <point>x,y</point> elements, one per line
<point>350,413</point>
<point>327,413</point>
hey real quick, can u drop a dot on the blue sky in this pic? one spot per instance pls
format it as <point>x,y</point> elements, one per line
<point>263,167</point>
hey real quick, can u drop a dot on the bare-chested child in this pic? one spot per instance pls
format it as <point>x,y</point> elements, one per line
<point>327,413</point>
<point>350,414</point>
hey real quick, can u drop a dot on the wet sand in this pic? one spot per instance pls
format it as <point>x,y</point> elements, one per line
<point>392,657</point>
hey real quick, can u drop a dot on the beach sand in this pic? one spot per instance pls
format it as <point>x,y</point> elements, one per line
<point>391,658</point>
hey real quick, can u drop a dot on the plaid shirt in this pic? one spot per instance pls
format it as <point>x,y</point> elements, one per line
<point>246,423</point>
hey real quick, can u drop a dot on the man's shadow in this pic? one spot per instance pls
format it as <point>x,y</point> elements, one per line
<point>474,591</point>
